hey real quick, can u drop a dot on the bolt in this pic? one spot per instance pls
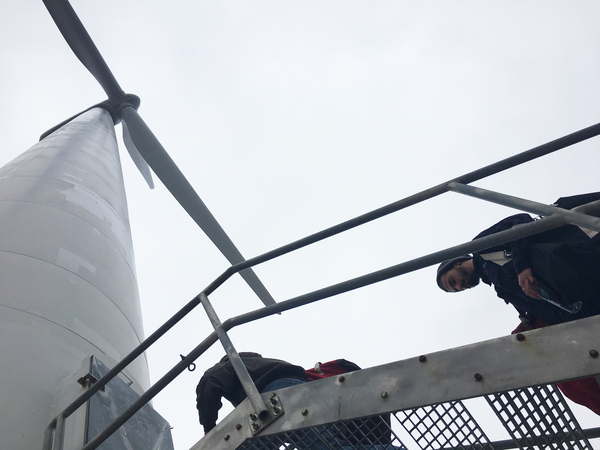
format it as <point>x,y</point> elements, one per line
<point>342,378</point>
<point>273,401</point>
<point>384,394</point>
<point>273,395</point>
<point>304,412</point>
<point>253,417</point>
<point>422,358</point>
<point>478,377</point>
<point>226,437</point>
<point>520,337</point>
<point>238,427</point>
<point>255,426</point>
<point>593,353</point>
<point>276,410</point>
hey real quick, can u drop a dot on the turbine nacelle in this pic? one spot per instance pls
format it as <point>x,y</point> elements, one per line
<point>112,106</point>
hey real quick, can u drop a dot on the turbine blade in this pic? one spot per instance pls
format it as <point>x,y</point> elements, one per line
<point>166,170</point>
<point>139,161</point>
<point>82,45</point>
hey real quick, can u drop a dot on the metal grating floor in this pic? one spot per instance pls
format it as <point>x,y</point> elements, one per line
<point>374,433</point>
<point>446,425</point>
<point>535,418</point>
<point>538,417</point>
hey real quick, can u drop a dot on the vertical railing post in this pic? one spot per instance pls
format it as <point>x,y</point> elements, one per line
<point>247,383</point>
<point>59,433</point>
<point>49,435</point>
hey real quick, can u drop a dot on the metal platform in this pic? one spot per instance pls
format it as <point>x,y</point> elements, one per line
<point>418,402</point>
<point>536,417</point>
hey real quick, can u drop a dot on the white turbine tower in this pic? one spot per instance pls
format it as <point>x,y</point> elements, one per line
<point>67,271</point>
<point>67,274</point>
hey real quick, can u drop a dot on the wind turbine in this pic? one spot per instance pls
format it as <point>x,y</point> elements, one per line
<point>67,271</point>
<point>142,145</point>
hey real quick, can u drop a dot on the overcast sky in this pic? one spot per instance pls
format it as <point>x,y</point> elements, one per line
<point>288,117</point>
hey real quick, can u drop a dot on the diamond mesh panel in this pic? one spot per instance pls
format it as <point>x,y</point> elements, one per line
<point>371,433</point>
<point>538,418</point>
<point>445,425</point>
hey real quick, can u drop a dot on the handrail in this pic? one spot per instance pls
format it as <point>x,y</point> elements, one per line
<point>557,218</point>
<point>286,305</point>
<point>50,443</point>
<point>476,175</point>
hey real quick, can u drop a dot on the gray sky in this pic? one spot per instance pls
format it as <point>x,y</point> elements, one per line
<point>288,117</point>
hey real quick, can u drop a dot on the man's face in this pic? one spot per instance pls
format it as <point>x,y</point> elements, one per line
<point>462,276</point>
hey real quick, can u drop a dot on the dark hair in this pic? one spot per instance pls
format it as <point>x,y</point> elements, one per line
<point>447,265</point>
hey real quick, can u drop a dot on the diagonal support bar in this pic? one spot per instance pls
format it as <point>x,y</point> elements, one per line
<point>260,408</point>
<point>576,216</point>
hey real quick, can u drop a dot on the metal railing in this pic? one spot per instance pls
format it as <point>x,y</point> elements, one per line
<point>553,217</point>
<point>421,401</point>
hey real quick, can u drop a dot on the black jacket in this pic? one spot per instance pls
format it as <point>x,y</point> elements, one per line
<point>222,381</point>
<point>565,259</point>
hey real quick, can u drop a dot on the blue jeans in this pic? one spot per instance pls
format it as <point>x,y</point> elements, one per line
<point>282,383</point>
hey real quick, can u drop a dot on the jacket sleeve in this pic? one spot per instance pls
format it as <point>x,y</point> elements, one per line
<point>519,250</point>
<point>214,384</point>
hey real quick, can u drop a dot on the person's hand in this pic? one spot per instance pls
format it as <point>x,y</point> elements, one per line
<point>527,282</point>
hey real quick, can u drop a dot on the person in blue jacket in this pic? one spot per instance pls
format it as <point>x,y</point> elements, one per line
<point>553,276</point>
